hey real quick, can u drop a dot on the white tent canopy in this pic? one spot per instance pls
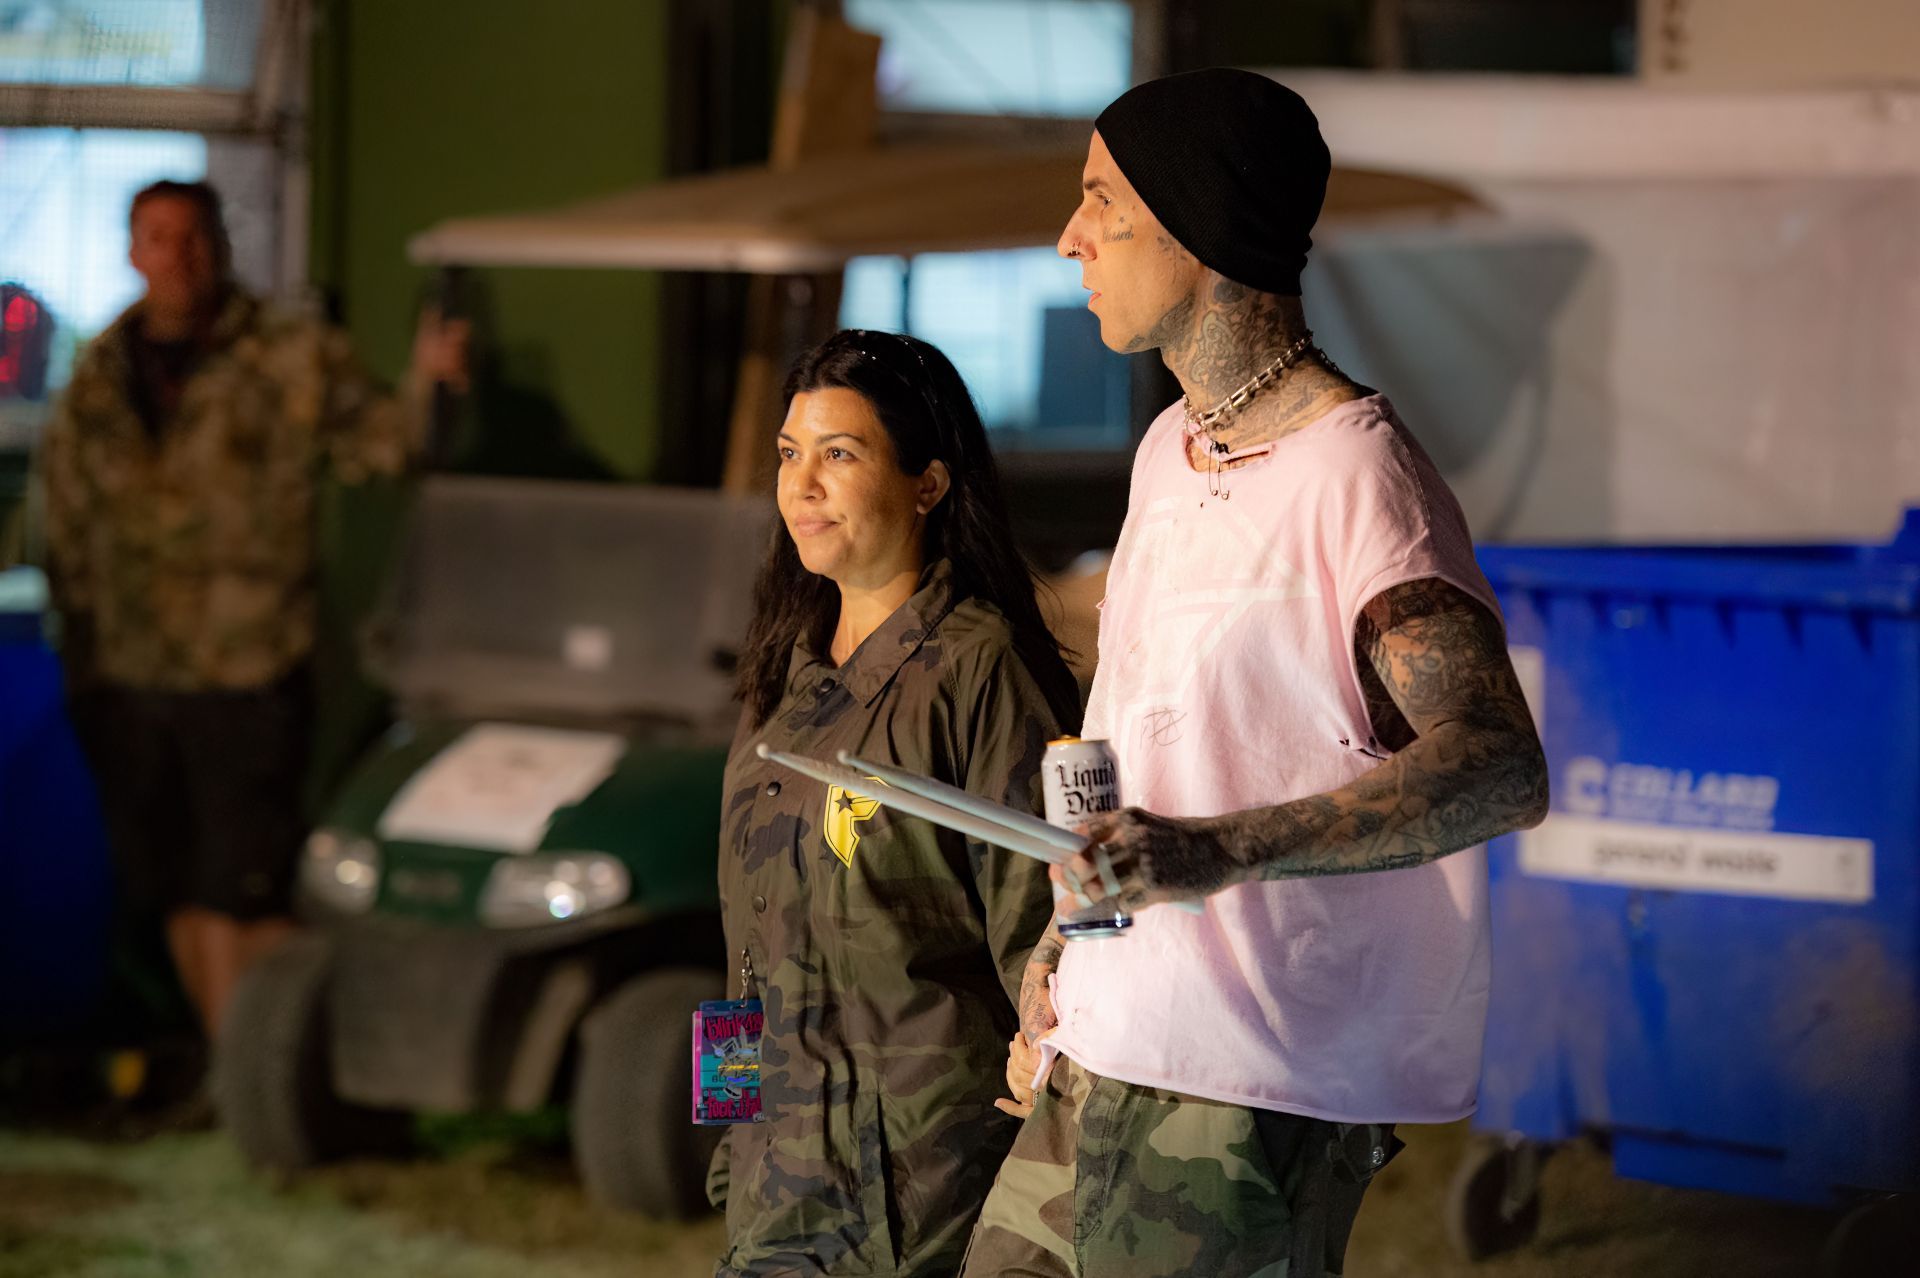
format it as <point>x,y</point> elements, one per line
<point>894,200</point>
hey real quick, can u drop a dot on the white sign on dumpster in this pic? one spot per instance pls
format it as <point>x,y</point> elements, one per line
<point>1798,867</point>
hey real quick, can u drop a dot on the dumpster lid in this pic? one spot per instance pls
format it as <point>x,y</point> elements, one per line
<point>1836,577</point>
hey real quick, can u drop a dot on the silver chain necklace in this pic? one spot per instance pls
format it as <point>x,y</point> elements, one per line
<point>1204,423</point>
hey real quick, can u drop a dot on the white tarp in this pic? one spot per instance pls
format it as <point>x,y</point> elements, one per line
<point>1694,317</point>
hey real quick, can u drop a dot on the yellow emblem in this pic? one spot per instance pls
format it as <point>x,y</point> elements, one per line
<point>846,812</point>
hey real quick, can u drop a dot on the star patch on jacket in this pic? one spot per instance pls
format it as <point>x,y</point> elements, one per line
<point>846,813</point>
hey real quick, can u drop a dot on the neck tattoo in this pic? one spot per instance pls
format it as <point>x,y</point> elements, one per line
<point>1211,421</point>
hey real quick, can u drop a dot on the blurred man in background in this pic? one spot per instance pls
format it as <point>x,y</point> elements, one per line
<point>182,472</point>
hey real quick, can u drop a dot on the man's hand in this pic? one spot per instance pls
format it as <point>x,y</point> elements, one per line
<point>1465,765</point>
<point>440,352</point>
<point>1153,860</point>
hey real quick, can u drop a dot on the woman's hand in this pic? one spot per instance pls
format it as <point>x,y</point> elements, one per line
<point>1023,1058</point>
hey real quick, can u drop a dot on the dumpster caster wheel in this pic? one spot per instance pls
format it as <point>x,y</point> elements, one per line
<point>1877,1237</point>
<point>1493,1205</point>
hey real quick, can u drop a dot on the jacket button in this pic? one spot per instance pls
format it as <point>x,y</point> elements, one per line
<point>773,789</point>
<point>826,686</point>
<point>759,904</point>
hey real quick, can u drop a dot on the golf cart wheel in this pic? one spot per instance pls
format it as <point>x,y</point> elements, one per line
<point>1880,1236</point>
<point>273,1081</point>
<point>1493,1205</point>
<point>633,1134</point>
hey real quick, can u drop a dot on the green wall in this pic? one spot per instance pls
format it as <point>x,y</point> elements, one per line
<point>430,109</point>
<point>427,109</point>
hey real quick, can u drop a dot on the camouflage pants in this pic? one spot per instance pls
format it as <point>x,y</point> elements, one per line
<point>1110,1180</point>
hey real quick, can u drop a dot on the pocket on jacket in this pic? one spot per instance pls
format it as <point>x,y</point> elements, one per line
<point>860,1146</point>
<point>811,1184</point>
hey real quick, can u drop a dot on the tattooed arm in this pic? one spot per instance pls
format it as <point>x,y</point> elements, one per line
<point>1473,769</point>
<point>1036,1021</point>
<point>1036,1004</point>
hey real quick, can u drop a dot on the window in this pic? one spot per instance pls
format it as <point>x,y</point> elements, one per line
<point>1000,57</point>
<point>129,42</point>
<point>1016,325</point>
<point>97,99</point>
<point>63,219</point>
<point>139,75</point>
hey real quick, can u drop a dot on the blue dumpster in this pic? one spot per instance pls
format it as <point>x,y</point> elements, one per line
<point>56,891</point>
<point>1709,954</point>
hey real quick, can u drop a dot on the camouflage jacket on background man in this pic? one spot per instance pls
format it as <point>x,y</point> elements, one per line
<point>183,559</point>
<point>888,951</point>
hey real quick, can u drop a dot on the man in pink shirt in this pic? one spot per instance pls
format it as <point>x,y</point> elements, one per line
<point>1305,679</point>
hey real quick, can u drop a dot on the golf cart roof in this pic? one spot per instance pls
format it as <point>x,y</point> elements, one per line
<point>896,200</point>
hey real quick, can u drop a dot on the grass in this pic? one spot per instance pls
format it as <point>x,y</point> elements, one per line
<point>185,1206</point>
<point>497,1198</point>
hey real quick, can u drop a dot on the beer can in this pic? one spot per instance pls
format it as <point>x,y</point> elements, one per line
<point>1080,780</point>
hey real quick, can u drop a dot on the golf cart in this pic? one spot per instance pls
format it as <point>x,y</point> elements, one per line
<point>514,890</point>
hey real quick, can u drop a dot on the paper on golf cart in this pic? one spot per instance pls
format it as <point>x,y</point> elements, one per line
<point>498,785</point>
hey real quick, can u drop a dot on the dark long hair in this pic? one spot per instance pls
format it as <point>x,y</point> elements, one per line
<point>924,405</point>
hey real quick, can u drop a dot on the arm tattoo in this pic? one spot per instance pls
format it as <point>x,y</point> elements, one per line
<point>1474,768</point>
<point>1036,1004</point>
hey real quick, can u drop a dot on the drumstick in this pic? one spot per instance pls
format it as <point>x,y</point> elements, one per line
<point>1000,814</point>
<point>954,797</point>
<point>919,805</point>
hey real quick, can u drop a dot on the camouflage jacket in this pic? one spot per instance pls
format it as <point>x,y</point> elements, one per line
<point>185,560</point>
<point>888,951</point>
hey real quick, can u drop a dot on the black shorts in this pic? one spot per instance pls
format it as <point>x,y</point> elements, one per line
<point>202,792</point>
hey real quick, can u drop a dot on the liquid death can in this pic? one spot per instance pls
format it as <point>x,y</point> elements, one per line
<point>1081,781</point>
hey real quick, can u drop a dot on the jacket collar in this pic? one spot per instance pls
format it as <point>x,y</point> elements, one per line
<point>231,318</point>
<point>880,656</point>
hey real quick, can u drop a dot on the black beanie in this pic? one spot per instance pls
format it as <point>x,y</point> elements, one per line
<point>1233,166</point>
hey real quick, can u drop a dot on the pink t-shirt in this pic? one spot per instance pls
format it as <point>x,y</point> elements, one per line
<point>1226,681</point>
